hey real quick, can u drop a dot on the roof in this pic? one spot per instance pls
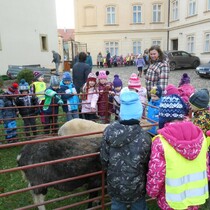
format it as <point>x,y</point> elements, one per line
<point>67,34</point>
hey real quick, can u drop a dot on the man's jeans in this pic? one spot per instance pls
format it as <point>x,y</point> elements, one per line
<point>138,205</point>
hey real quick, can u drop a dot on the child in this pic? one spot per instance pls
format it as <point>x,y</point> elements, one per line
<point>51,105</point>
<point>140,63</point>
<point>125,152</point>
<point>105,88</point>
<point>171,89</point>
<point>9,113</point>
<point>134,84</point>
<point>153,108</point>
<point>23,83</point>
<point>90,97</point>
<point>27,108</point>
<point>117,83</point>
<point>199,105</point>
<point>185,88</point>
<point>69,97</point>
<point>38,87</point>
<point>177,174</point>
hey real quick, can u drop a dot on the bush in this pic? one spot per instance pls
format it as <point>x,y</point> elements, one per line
<point>25,74</point>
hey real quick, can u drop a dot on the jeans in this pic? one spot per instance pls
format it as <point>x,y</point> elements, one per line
<point>72,115</point>
<point>138,205</point>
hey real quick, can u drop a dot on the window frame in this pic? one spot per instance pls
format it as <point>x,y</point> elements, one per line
<point>138,14</point>
<point>191,44</point>
<point>156,13</point>
<point>192,6</point>
<point>111,14</point>
<point>112,47</point>
<point>137,47</point>
<point>44,42</point>
<point>175,10</point>
<point>207,42</point>
<point>155,42</point>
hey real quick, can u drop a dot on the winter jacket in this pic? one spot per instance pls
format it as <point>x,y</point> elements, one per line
<point>186,139</point>
<point>10,111</point>
<point>153,113</point>
<point>53,107</point>
<point>79,74</point>
<point>125,152</point>
<point>185,91</point>
<point>69,97</point>
<point>28,102</point>
<point>157,74</point>
<point>104,98</point>
<point>140,62</point>
<point>91,99</point>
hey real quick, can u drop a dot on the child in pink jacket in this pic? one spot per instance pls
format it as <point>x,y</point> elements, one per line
<point>90,97</point>
<point>187,143</point>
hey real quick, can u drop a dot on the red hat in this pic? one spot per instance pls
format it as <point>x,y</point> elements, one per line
<point>13,89</point>
<point>91,77</point>
<point>134,82</point>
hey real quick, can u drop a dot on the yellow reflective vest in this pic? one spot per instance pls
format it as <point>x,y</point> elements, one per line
<point>40,87</point>
<point>186,181</point>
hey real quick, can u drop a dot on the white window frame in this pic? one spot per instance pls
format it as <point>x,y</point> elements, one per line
<point>175,10</point>
<point>156,13</point>
<point>192,7</point>
<point>207,42</point>
<point>112,47</point>
<point>208,5</point>
<point>156,42</point>
<point>111,15</point>
<point>137,13</point>
<point>190,44</point>
<point>137,47</point>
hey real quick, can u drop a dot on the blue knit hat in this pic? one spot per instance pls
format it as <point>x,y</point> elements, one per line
<point>130,106</point>
<point>66,76</point>
<point>171,108</point>
<point>23,85</point>
<point>117,82</point>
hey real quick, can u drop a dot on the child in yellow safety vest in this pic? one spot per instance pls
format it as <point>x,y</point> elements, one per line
<point>38,87</point>
<point>178,167</point>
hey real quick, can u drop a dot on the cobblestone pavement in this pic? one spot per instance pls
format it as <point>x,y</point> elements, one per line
<point>174,76</point>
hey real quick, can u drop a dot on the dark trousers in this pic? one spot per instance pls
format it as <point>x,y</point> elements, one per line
<point>90,116</point>
<point>48,126</point>
<point>29,125</point>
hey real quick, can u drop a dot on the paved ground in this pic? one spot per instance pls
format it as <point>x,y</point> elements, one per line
<point>174,76</point>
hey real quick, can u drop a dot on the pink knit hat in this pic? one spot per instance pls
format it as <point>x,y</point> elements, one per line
<point>171,89</point>
<point>134,82</point>
<point>102,74</point>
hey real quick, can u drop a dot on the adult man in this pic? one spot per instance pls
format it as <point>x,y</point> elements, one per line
<point>56,60</point>
<point>80,71</point>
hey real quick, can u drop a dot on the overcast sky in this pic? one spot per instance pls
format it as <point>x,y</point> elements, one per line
<point>65,13</point>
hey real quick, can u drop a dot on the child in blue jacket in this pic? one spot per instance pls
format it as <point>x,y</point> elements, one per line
<point>69,96</point>
<point>153,108</point>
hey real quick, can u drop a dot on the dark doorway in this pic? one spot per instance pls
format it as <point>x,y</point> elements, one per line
<point>175,44</point>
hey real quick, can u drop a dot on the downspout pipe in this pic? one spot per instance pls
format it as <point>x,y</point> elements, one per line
<point>168,24</point>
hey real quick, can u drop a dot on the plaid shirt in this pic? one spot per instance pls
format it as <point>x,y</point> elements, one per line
<point>157,74</point>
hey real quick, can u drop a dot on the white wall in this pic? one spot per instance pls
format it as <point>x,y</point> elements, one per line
<point>21,23</point>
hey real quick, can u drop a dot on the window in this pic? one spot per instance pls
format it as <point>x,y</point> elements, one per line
<point>43,40</point>
<point>156,13</point>
<point>110,14</point>
<point>136,47</point>
<point>208,5</point>
<point>190,44</point>
<point>156,42</point>
<point>175,11</point>
<point>207,43</point>
<point>137,14</point>
<point>112,47</point>
<point>192,7</point>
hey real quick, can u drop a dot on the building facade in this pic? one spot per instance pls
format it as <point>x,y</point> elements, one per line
<point>129,27</point>
<point>28,33</point>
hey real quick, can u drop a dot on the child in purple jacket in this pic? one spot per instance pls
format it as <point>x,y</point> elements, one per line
<point>140,63</point>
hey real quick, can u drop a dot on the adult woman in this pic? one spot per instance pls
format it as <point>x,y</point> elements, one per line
<point>158,71</point>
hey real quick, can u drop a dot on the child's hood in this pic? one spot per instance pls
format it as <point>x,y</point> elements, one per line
<point>184,137</point>
<point>118,135</point>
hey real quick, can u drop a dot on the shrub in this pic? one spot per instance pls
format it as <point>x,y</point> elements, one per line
<point>25,74</point>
